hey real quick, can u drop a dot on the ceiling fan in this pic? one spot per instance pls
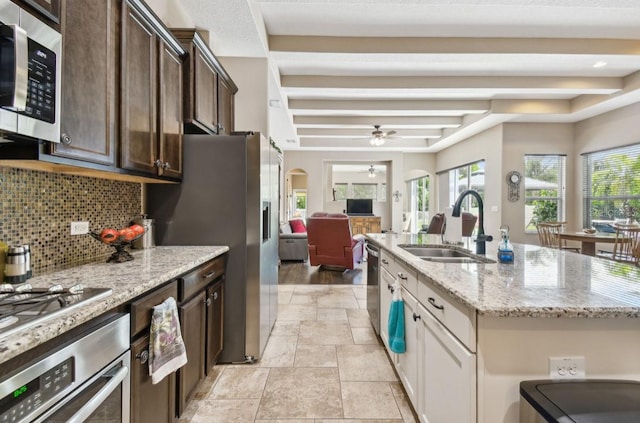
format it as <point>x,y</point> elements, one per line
<point>378,137</point>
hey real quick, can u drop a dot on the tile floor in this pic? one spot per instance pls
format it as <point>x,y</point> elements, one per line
<point>323,364</point>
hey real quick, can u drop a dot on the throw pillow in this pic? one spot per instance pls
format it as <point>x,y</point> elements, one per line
<point>297,226</point>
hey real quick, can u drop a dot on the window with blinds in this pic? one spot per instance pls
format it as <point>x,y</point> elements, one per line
<point>544,189</point>
<point>611,187</point>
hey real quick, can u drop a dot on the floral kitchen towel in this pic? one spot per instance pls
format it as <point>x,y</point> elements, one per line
<point>396,321</point>
<point>166,348</point>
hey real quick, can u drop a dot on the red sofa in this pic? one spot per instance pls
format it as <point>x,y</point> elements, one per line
<point>331,242</point>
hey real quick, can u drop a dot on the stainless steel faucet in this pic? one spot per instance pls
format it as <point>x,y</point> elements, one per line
<point>481,238</point>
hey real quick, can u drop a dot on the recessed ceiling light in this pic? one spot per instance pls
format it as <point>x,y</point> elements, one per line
<point>600,64</point>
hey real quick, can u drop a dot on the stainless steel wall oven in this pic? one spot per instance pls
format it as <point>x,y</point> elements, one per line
<point>87,380</point>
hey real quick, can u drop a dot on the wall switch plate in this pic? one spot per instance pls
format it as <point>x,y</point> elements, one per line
<point>567,367</point>
<point>79,228</point>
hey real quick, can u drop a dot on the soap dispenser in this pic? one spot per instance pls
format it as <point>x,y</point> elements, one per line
<point>505,249</point>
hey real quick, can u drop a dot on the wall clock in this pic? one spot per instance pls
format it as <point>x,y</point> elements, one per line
<point>513,182</point>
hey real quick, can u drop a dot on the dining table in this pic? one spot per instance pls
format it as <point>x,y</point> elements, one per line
<point>588,241</point>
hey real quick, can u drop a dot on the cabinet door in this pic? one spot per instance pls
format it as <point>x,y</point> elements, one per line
<point>206,92</point>
<point>149,402</point>
<point>170,106</point>
<point>138,106</point>
<point>90,60</point>
<point>408,361</point>
<point>447,375</point>
<point>192,325</point>
<point>225,107</point>
<point>215,323</point>
<point>358,225</point>
<point>386,285</point>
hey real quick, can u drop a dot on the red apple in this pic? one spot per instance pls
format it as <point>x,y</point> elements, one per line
<point>108,235</point>
<point>138,229</point>
<point>126,234</point>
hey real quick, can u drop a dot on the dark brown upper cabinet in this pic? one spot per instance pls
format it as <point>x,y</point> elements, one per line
<point>90,77</point>
<point>151,90</point>
<point>208,89</point>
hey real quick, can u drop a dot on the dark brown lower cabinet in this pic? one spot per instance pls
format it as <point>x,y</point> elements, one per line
<point>149,402</point>
<point>215,313</point>
<point>192,324</point>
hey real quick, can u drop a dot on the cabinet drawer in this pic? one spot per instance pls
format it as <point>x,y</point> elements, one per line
<point>200,277</point>
<point>385,260</point>
<point>459,319</point>
<point>408,278</point>
<point>142,309</point>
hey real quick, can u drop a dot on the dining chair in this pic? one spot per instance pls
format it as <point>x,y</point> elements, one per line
<point>627,244</point>
<point>549,235</point>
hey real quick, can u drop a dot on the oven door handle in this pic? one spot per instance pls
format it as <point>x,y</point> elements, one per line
<point>97,400</point>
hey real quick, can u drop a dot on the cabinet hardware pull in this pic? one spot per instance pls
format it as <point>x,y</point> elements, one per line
<point>166,166</point>
<point>384,261</point>
<point>402,276</point>
<point>207,302</point>
<point>143,356</point>
<point>215,295</point>
<point>65,139</point>
<point>391,288</point>
<point>158,163</point>
<point>208,275</point>
<point>432,301</point>
<point>416,317</point>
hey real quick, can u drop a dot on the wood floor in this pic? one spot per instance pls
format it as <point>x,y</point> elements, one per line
<point>301,273</point>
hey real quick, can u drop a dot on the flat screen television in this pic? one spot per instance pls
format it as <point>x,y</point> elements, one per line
<point>359,206</point>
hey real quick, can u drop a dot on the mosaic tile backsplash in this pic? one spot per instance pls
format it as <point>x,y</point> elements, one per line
<point>37,208</point>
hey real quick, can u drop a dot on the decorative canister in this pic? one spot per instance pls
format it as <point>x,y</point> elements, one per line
<point>15,268</point>
<point>147,240</point>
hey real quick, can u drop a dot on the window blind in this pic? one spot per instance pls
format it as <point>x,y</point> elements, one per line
<point>611,187</point>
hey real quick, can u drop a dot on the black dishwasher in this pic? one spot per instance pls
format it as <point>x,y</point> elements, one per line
<point>373,278</point>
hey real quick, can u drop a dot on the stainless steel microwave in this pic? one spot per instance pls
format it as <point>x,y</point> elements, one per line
<point>30,75</point>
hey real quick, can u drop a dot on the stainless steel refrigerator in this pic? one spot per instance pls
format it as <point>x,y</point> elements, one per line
<point>229,196</point>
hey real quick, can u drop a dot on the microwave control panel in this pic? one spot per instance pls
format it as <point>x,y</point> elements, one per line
<point>41,91</point>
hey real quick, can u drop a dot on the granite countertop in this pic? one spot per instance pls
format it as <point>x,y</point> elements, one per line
<point>542,282</point>
<point>128,280</point>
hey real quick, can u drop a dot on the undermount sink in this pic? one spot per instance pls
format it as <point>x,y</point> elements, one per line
<point>444,254</point>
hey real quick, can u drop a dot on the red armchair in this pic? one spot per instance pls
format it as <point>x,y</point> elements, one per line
<point>331,242</point>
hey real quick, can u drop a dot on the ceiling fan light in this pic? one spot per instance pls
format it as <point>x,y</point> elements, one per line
<point>376,141</point>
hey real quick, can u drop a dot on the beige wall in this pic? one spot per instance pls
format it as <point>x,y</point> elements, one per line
<point>171,12</point>
<point>298,181</point>
<point>251,75</point>
<point>520,139</point>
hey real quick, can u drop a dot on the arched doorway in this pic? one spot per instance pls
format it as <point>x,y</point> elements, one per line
<point>296,194</point>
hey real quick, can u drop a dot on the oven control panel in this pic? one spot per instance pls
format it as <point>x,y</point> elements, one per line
<point>26,398</point>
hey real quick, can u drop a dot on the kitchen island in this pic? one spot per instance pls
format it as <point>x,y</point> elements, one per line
<point>504,321</point>
<point>149,269</point>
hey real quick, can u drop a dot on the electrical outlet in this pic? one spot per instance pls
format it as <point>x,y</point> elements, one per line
<point>567,367</point>
<point>79,228</point>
